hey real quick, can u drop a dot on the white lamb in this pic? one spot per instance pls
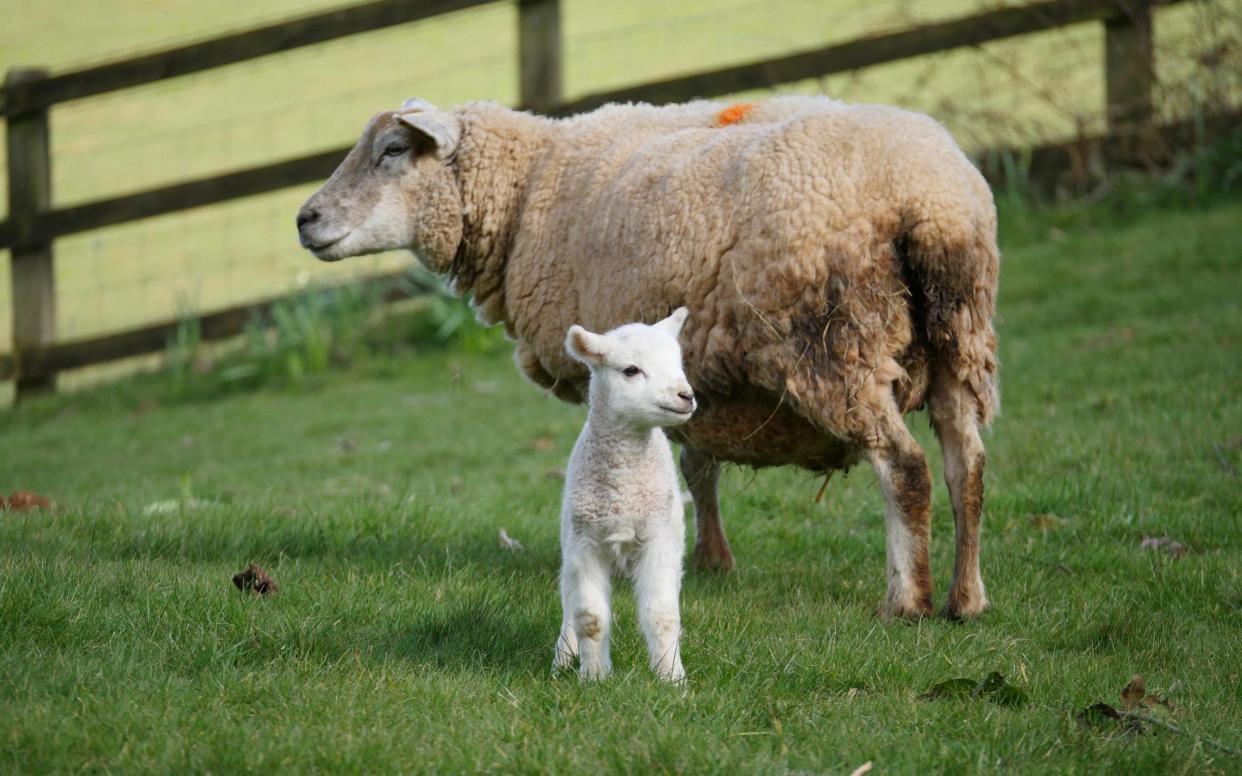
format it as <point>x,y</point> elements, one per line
<point>622,508</point>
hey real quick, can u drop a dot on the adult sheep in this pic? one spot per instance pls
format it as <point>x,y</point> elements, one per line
<point>839,263</point>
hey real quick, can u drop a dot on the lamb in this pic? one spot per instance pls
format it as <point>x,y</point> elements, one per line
<point>839,263</point>
<point>622,508</point>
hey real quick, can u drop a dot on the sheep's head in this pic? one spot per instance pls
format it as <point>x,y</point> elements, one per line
<point>636,372</point>
<point>396,189</point>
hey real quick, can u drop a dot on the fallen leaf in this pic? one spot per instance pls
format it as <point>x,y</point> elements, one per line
<point>1134,693</point>
<point>1172,547</point>
<point>347,445</point>
<point>555,473</point>
<point>543,444</point>
<point>24,501</point>
<point>508,542</point>
<point>255,580</point>
<point>1134,696</point>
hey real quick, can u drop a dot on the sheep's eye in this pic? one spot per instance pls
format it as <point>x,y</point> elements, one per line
<point>631,371</point>
<point>395,149</point>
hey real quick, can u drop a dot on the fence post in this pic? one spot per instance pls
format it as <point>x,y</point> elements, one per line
<point>539,59</point>
<point>1129,73</point>
<point>30,192</point>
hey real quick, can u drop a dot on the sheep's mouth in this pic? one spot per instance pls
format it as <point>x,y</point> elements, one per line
<point>319,248</point>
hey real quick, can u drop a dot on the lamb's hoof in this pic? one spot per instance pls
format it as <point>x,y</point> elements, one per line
<point>676,676</point>
<point>964,606</point>
<point>715,558</point>
<point>588,675</point>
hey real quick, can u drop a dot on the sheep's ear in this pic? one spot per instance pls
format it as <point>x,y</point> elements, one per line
<point>590,349</point>
<point>442,129</point>
<point>674,322</point>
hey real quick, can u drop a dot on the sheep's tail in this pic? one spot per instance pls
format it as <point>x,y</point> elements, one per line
<point>952,267</point>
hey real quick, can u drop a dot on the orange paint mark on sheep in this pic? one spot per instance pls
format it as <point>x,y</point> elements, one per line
<point>734,114</point>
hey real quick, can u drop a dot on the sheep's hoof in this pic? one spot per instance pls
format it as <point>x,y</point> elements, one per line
<point>715,558</point>
<point>911,610</point>
<point>964,606</point>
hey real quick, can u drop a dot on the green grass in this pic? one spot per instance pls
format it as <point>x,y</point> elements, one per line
<point>405,638</point>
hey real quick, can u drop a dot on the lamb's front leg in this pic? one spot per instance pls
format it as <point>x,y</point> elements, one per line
<point>657,591</point>
<point>567,643</point>
<point>585,586</point>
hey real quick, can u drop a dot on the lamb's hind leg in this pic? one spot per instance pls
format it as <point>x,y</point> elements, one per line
<point>955,418</point>
<point>711,548</point>
<point>906,481</point>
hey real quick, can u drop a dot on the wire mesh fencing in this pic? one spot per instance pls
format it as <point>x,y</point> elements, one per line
<point>1015,92</point>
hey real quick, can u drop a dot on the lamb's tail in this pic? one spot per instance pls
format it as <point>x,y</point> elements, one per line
<point>952,265</point>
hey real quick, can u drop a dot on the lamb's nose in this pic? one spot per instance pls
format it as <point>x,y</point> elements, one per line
<point>307,216</point>
<point>686,396</point>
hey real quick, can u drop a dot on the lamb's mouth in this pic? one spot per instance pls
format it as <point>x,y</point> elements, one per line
<point>683,413</point>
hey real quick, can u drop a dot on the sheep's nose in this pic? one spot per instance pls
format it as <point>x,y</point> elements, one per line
<point>686,396</point>
<point>307,216</point>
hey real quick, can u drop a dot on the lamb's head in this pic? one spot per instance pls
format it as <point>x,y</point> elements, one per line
<point>636,373</point>
<point>396,189</point>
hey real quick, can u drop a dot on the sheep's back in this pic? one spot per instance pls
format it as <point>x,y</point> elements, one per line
<point>628,217</point>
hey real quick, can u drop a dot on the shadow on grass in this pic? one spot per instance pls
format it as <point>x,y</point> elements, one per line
<point>479,633</point>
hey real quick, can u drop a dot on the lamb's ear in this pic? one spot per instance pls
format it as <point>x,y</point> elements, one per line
<point>590,349</point>
<point>442,129</point>
<point>674,322</point>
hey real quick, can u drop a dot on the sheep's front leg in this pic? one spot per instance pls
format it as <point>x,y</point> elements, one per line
<point>657,590</point>
<point>585,587</point>
<point>711,548</point>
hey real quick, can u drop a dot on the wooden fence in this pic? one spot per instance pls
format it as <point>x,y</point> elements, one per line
<point>33,224</point>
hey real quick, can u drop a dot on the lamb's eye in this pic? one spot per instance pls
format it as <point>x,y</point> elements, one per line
<point>631,371</point>
<point>395,149</point>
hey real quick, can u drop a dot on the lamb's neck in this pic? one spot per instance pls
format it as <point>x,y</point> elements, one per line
<point>498,151</point>
<point>618,444</point>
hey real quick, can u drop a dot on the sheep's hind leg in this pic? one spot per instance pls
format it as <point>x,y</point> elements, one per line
<point>955,418</point>
<point>906,481</point>
<point>711,548</point>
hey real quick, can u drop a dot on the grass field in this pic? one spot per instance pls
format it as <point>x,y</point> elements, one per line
<point>311,99</point>
<point>405,639</point>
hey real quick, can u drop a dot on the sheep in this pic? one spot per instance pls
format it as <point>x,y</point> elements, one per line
<point>839,263</point>
<point>622,507</point>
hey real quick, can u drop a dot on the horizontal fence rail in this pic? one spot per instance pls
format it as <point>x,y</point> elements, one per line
<point>33,224</point>
<point>225,50</point>
<point>878,49</point>
<point>222,324</point>
<point>868,52</point>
